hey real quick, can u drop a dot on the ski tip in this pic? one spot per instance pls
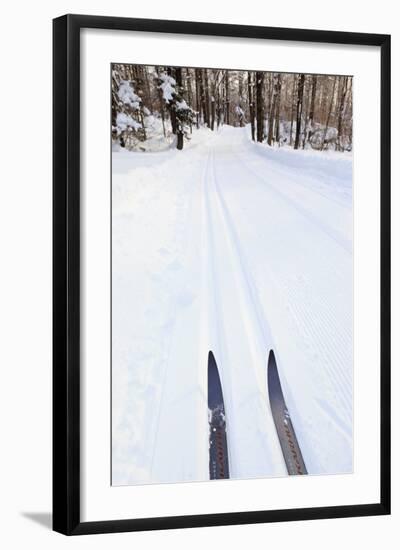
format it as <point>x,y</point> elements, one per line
<point>211,359</point>
<point>214,382</point>
<point>271,357</point>
<point>212,364</point>
<point>284,427</point>
<point>274,384</point>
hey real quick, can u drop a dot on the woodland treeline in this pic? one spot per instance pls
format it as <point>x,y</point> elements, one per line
<point>296,110</point>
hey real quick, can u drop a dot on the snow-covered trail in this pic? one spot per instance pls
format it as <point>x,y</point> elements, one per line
<point>304,284</point>
<point>237,249</point>
<point>238,335</point>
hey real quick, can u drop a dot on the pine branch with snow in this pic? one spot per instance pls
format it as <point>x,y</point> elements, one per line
<point>182,115</point>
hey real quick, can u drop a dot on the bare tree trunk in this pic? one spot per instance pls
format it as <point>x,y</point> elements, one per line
<point>207,97</point>
<point>340,114</point>
<point>285,80</point>
<point>227,97</point>
<point>268,95</point>
<point>251,105</point>
<point>240,105</point>
<point>306,107</point>
<point>202,96</point>
<point>312,108</point>
<point>278,108</point>
<point>272,108</point>
<point>114,89</point>
<point>212,112</point>
<point>260,105</point>
<point>300,90</point>
<point>141,120</point>
<point>218,109</point>
<point>292,109</point>
<point>148,88</point>
<point>172,113</point>
<point>328,118</point>
<point>179,129</point>
<point>188,85</point>
<point>350,105</point>
<point>197,75</point>
<point>188,81</point>
<point>160,99</point>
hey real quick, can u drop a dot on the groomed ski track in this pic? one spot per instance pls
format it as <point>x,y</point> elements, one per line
<point>252,255</point>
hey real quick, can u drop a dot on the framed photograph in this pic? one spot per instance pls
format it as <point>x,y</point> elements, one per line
<point>221,274</point>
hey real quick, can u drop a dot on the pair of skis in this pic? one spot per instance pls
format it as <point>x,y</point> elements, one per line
<point>219,462</point>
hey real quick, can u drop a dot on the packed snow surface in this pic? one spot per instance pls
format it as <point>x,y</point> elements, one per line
<point>237,248</point>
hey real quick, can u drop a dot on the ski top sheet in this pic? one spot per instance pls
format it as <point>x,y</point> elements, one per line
<point>284,427</point>
<point>219,464</point>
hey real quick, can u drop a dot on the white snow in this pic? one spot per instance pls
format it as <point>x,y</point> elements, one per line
<point>233,247</point>
<point>127,95</point>
<point>167,86</point>
<point>182,105</point>
<point>125,121</point>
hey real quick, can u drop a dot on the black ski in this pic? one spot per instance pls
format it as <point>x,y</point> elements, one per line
<point>219,464</point>
<point>284,427</point>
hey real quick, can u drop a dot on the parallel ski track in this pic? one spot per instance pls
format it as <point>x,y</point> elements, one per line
<point>249,308</point>
<point>212,337</point>
<point>307,215</point>
<point>341,379</point>
<point>210,296</point>
<point>257,333</point>
<point>333,351</point>
<point>217,220</point>
<point>248,288</point>
<point>321,332</point>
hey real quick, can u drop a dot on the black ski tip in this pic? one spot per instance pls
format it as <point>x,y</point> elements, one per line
<point>274,384</point>
<point>214,382</point>
<point>212,364</point>
<point>218,458</point>
<point>287,437</point>
<point>271,357</point>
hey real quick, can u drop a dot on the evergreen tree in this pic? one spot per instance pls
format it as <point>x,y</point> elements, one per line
<point>182,116</point>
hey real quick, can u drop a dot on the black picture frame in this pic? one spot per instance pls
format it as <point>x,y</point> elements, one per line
<point>66,273</point>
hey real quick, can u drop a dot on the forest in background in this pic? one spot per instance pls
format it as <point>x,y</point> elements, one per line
<point>155,107</point>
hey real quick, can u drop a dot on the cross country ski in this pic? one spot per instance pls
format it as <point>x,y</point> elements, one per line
<point>219,465</point>
<point>284,427</point>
